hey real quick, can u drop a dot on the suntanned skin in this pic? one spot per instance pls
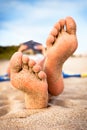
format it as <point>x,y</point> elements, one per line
<point>61,44</point>
<point>37,81</point>
<point>27,76</point>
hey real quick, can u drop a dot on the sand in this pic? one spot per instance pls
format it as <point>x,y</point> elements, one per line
<point>67,111</point>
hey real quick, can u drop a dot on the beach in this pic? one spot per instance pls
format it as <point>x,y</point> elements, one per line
<point>68,111</point>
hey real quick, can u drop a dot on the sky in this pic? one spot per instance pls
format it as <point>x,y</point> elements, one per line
<point>24,20</point>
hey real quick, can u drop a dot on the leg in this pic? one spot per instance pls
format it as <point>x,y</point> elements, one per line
<point>27,76</point>
<point>61,44</point>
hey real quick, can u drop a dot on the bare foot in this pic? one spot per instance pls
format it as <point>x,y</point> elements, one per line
<point>61,44</point>
<point>27,76</point>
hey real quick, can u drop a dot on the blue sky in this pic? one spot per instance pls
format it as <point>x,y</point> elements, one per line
<point>23,20</point>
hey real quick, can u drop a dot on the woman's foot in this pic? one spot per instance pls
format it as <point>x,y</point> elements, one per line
<point>27,76</point>
<point>61,44</point>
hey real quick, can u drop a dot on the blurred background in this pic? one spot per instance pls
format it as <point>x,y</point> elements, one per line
<point>24,20</point>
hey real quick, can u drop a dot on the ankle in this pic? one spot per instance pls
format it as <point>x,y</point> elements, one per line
<point>36,102</point>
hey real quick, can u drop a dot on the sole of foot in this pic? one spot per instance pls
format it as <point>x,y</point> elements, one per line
<point>61,44</point>
<point>28,77</point>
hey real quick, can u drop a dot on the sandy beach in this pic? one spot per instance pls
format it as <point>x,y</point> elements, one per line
<point>67,111</point>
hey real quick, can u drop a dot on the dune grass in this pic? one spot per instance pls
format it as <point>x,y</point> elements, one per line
<point>6,52</point>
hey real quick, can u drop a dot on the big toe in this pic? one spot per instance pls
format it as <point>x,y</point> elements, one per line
<point>16,62</point>
<point>70,25</point>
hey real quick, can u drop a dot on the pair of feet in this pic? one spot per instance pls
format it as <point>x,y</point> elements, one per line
<point>37,81</point>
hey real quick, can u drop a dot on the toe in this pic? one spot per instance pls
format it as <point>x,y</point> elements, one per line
<point>54,32</point>
<point>58,29</point>
<point>42,75</point>
<point>16,62</point>
<point>57,26</point>
<point>50,41</point>
<point>70,25</point>
<point>31,63</point>
<point>62,24</point>
<point>36,68</point>
<point>25,60</point>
